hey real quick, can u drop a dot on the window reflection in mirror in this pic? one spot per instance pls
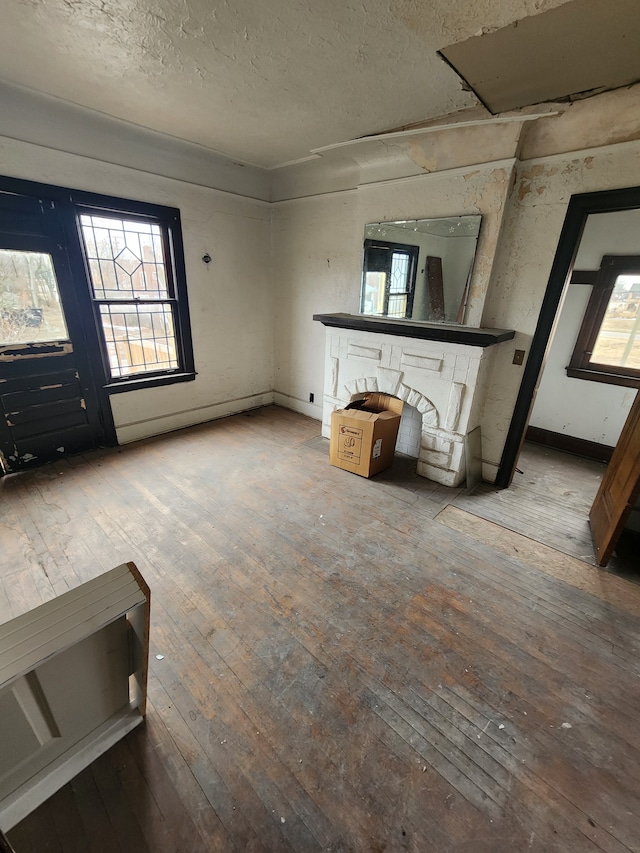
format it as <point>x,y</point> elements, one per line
<point>419,269</point>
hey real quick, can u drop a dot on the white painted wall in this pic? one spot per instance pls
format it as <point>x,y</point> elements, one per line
<point>536,212</point>
<point>54,123</point>
<point>519,236</point>
<point>593,411</point>
<point>608,234</point>
<point>317,259</point>
<point>230,299</point>
<point>254,336</point>
<point>317,264</point>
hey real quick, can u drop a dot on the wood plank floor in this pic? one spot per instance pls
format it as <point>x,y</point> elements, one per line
<point>346,665</point>
<point>549,502</point>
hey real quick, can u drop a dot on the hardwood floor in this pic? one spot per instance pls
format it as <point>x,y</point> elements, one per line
<point>337,664</point>
<point>549,502</point>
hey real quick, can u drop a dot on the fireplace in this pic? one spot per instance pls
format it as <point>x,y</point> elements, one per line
<point>440,371</point>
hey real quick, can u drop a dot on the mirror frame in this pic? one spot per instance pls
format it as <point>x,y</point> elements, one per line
<point>580,206</point>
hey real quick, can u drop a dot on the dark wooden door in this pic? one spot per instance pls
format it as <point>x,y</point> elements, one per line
<point>619,489</point>
<point>48,399</point>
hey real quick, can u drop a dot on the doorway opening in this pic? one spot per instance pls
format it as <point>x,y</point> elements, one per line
<point>574,394</point>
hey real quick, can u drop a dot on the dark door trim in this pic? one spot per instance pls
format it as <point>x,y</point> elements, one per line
<point>48,413</point>
<point>81,331</point>
<point>69,203</point>
<point>62,208</point>
<point>580,206</point>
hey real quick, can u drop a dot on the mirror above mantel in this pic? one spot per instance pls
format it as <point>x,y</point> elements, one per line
<point>419,269</point>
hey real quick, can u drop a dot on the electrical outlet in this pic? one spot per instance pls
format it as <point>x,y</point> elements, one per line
<point>311,397</point>
<point>518,356</point>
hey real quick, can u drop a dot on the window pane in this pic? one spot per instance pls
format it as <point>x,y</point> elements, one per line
<point>373,296</point>
<point>399,273</point>
<point>30,309</point>
<point>140,338</point>
<point>125,258</point>
<point>618,341</point>
<point>397,305</point>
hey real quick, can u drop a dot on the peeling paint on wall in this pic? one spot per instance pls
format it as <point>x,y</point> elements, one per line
<point>607,119</point>
<point>533,179</point>
<point>456,147</point>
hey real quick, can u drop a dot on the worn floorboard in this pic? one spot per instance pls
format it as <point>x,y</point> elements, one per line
<point>337,664</point>
<point>549,502</point>
<point>610,585</point>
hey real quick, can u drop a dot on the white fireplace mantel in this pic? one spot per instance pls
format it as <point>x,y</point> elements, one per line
<point>444,379</point>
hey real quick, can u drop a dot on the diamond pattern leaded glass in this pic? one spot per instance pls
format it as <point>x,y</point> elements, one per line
<point>398,285</point>
<point>399,273</point>
<point>129,281</point>
<point>125,257</point>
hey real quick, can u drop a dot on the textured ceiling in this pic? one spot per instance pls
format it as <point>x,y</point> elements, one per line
<point>263,81</point>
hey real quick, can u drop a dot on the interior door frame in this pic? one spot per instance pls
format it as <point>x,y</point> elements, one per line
<point>580,206</point>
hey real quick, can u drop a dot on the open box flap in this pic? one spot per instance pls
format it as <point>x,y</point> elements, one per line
<point>376,403</point>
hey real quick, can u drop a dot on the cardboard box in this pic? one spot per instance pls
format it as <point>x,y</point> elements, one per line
<point>363,435</point>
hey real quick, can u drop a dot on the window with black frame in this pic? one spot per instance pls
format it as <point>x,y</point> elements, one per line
<point>608,344</point>
<point>135,294</point>
<point>101,281</point>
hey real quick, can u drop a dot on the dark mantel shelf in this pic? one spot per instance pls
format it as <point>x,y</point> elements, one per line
<point>468,335</point>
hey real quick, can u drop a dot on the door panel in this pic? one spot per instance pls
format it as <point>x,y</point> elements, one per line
<point>49,404</point>
<point>42,406</point>
<point>619,489</point>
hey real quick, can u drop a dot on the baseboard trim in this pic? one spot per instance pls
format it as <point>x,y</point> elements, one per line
<point>311,410</point>
<point>569,444</point>
<point>160,424</point>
